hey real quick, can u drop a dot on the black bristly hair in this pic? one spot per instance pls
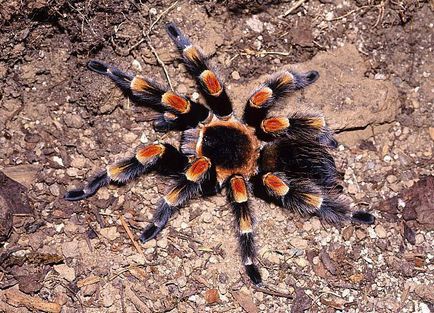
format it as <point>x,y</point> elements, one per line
<point>206,78</point>
<point>151,94</point>
<point>279,86</point>
<point>226,146</point>
<point>180,40</point>
<point>293,168</point>
<point>301,158</point>
<point>244,223</point>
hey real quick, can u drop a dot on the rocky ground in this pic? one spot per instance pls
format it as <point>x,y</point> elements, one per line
<point>59,124</point>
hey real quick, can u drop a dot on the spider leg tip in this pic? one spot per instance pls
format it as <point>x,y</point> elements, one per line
<point>75,195</point>
<point>312,76</point>
<point>149,233</point>
<point>97,66</point>
<point>253,273</point>
<point>177,36</point>
<point>362,217</point>
<point>172,29</point>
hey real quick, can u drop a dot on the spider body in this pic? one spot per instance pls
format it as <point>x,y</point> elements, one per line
<point>230,145</point>
<point>281,159</point>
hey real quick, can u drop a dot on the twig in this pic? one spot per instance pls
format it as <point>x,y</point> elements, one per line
<point>233,58</point>
<point>291,9</point>
<point>17,298</point>
<point>273,292</point>
<point>185,237</point>
<point>315,300</point>
<point>130,234</point>
<point>83,17</point>
<point>123,298</point>
<point>354,11</point>
<point>159,17</point>
<point>380,14</point>
<point>355,181</point>
<point>265,289</point>
<point>263,53</point>
<point>129,267</point>
<point>147,38</point>
<point>64,284</point>
<point>160,62</point>
<point>345,15</point>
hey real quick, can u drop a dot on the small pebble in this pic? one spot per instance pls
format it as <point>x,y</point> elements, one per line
<point>129,137</point>
<point>137,66</point>
<point>65,271</point>
<point>162,242</point>
<point>329,16</point>
<point>54,189</point>
<point>379,76</point>
<point>207,217</point>
<point>380,231</point>
<point>387,158</point>
<point>299,243</point>
<point>352,189</point>
<point>391,179</point>
<point>431,132</point>
<point>360,234</point>
<point>302,262</point>
<point>255,24</point>
<point>235,75</point>
<point>109,233</point>
<point>58,160</point>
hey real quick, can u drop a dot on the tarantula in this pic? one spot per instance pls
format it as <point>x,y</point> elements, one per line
<point>284,160</point>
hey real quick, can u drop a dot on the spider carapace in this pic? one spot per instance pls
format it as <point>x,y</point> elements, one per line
<point>281,159</point>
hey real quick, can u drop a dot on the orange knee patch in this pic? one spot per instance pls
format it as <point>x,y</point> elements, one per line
<point>239,189</point>
<point>275,184</point>
<point>176,102</point>
<point>169,116</point>
<point>113,171</point>
<point>192,54</point>
<point>245,224</point>
<point>274,124</point>
<point>198,169</point>
<point>172,198</point>
<point>211,83</point>
<point>145,154</point>
<point>285,79</point>
<point>139,84</point>
<point>316,122</point>
<point>313,199</point>
<point>261,97</point>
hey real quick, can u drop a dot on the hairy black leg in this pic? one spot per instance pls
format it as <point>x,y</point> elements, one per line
<point>238,198</point>
<point>163,158</point>
<point>177,112</point>
<point>311,127</point>
<point>187,186</point>
<point>273,90</point>
<point>302,158</point>
<point>210,85</point>
<point>305,197</point>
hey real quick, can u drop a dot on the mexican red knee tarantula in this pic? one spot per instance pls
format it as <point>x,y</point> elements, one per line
<point>284,160</point>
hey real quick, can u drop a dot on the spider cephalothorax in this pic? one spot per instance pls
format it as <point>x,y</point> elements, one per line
<point>284,160</point>
<point>231,146</point>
